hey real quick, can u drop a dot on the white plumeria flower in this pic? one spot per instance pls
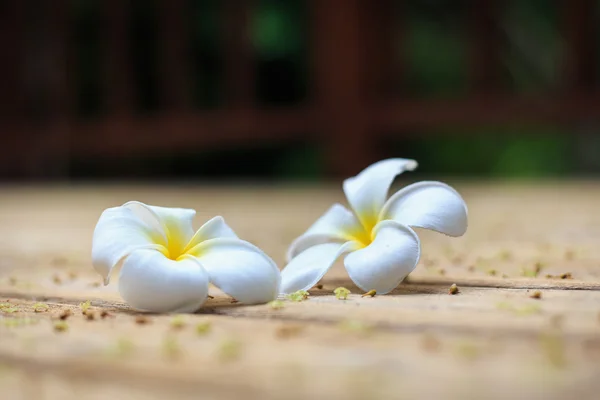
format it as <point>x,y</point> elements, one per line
<point>383,248</point>
<point>166,267</point>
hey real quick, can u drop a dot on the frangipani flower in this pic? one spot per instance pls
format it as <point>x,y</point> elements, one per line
<point>166,267</point>
<point>383,248</point>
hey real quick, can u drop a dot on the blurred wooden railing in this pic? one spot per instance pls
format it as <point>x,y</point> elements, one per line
<point>350,112</point>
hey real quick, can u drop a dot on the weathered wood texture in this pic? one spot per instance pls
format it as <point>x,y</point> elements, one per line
<point>490,341</point>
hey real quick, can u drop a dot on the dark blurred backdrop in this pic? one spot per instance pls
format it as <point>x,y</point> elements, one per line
<point>297,89</point>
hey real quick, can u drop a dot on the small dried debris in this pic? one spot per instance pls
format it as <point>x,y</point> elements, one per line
<point>12,281</point>
<point>341,293</point>
<point>203,328</point>
<point>229,350</point>
<point>471,268</point>
<point>95,284</point>
<point>453,289</point>
<point>210,297</point>
<point>442,271</point>
<point>553,346</point>
<point>288,331</point>
<point>9,310</point>
<point>276,304</point>
<point>569,255</point>
<point>72,275</point>
<point>61,326</point>
<point>370,293</point>
<point>178,322</point>
<point>319,286</point>
<point>298,296</point>
<point>56,279</point>
<point>90,315</point>
<point>536,295</point>
<point>492,272</point>
<point>105,314</point>
<point>468,351</point>
<point>85,306</point>
<point>356,327</point>
<point>430,343</point>
<point>40,307</point>
<point>64,314</point>
<point>170,347</point>
<point>233,301</point>
<point>534,272</point>
<point>566,275</point>
<point>505,255</point>
<point>18,322</point>
<point>142,320</point>
<point>504,276</point>
<point>123,348</point>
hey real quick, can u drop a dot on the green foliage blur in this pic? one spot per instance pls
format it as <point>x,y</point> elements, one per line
<point>435,49</point>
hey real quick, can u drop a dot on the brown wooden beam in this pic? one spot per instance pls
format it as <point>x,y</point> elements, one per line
<point>580,29</point>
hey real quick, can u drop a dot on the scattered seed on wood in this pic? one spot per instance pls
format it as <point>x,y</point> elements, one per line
<point>178,322</point>
<point>288,331</point>
<point>355,326</point>
<point>72,275</point>
<point>233,301</point>
<point>94,284</point>
<point>536,295</point>
<point>298,296</point>
<point>370,293</point>
<point>492,272</point>
<point>105,314</point>
<point>229,350</point>
<point>276,304</point>
<point>142,319</point>
<point>9,310</point>
<point>566,275</point>
<point>430,343</point>
<point>65,314</point>
<point>61,326</point>
<point>12,281</point>
<point>203,328</point>
<point>123,348</point>
<point>40,307</point>
<point>341,293</point>
<point>569,255</point>
<point>553,346</point>
<point>453,289</point>
<point>85,306</point>
<point>170,347</point>
<point>319,286</point>
<point>90,315</point>
<point>210,297</point>
<point>442,271</point>
<point>471,268</point>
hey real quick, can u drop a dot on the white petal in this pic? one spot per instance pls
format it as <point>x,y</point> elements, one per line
<point>308,267</point>
<point>176,223</point>
<point>214,228</point>
<point>240,269</point>
<point>367,191</point>
<point>151,282</point>
<point>430,205</point>
<point>383,264</point>
<point>338,224</point>
<point>120,231</point>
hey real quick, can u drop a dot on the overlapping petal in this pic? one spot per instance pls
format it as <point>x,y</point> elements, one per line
<point>383,264</point>
<point>367,191</point>
<point>119,231</point>
<point>337,225</point>
<point>429,205</point>
<point>239,268</point>
<point>212,229</point>
<point>308,267</point>
<point>149,281</point>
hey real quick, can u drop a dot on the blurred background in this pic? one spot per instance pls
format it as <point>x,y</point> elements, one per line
<point>297,89</point>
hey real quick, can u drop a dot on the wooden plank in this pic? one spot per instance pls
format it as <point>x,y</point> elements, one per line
<point>490,341</point>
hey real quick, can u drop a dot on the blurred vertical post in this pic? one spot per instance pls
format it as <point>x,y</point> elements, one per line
<point>175,71</point>
<point>341,85</point>
<point>484,36</point>
<point>579,26</point>
<point>238,57</point>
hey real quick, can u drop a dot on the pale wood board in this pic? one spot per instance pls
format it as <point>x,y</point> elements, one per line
<point>490,341</point>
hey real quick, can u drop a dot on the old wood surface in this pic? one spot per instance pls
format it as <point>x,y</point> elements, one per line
<point>490,341</point>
